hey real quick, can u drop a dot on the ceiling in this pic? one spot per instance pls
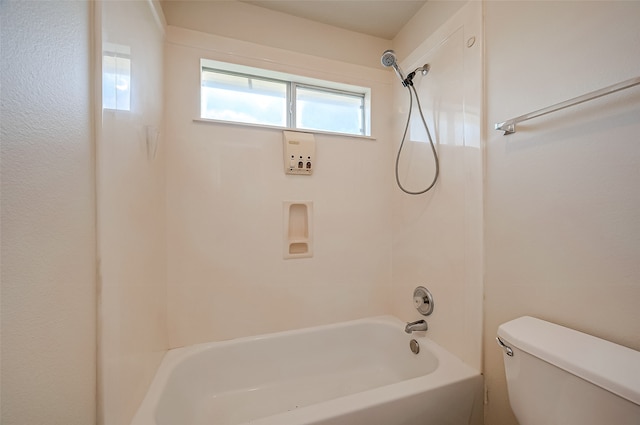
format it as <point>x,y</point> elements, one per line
<point>379,18</point>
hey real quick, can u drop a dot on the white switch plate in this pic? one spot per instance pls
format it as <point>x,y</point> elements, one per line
<point>299,152</point>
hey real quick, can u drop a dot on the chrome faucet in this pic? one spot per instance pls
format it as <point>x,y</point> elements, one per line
<point>418,325</point>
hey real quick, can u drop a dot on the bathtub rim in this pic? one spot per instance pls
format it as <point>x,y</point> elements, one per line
<point>450,370</point>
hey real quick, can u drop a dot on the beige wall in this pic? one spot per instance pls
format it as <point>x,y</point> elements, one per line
<point>429,19</point>
<point>437,236</point>
<point>131,215</point>
<point>48,227</point>
<point>226,273</point>
<point>562,228</point>
<point>242,21</point>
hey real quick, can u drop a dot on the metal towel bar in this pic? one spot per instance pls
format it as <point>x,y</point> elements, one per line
<point>509,126</point>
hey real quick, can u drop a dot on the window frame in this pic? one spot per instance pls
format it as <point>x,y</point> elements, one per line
<point>292,82</point>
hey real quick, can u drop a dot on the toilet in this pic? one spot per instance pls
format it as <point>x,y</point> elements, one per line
<point>559,376</point>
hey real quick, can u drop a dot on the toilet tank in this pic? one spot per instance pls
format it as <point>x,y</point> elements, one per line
<point>557,375</point>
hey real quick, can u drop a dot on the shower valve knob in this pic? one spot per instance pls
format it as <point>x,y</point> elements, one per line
<point>423,300</point>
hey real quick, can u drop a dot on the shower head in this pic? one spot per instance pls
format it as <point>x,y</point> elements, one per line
<point>388,59</point>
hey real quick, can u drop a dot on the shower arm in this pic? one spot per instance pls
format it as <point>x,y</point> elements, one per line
<point>424,69</point>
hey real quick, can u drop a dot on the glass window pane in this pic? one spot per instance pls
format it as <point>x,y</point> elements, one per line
<point>242,98</point>
<point>326,110</point>
<point>116,81</point>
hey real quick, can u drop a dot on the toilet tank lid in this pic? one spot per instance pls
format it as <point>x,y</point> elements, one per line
<point>611,366</point>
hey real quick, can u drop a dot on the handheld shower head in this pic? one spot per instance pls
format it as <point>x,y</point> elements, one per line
<point>388,59</point>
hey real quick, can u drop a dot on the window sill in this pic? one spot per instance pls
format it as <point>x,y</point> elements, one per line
<point>274,127</point>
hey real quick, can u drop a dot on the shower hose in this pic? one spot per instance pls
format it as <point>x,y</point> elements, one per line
<point>410,87</point>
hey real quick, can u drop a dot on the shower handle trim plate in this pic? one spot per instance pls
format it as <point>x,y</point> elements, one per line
<point>423,300</point>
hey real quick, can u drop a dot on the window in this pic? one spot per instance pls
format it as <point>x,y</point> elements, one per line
<point>243,98</point>
<point>248,95</point>
<point>116,77</point>
<point>329,110</point>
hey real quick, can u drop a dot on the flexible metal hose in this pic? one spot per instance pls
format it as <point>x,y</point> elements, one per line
<point>433,148</point>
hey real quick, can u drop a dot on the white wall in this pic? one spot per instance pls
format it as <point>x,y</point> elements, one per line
<point>562,228</point>
<point>226,273</point>
<point>48,228</point>
<point>242,21</point>
<point>437,236</point>
<point>430,17</point>
<point>131,215</point>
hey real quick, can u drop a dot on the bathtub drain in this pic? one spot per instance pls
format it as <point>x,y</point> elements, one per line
<point>415,347</point>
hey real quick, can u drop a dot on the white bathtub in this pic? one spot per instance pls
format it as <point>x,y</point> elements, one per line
<point>358,372</point>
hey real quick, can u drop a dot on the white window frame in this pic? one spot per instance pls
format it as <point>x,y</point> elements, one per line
<point>292,81</point>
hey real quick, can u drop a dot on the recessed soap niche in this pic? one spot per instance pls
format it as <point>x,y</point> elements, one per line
<point>298,229</point>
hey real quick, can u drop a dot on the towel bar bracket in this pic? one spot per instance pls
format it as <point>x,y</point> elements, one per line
<point>507,127</point>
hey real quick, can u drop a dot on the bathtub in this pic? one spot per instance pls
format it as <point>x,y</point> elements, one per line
<point>357,372</point>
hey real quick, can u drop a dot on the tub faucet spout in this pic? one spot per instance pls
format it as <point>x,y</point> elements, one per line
<point>418,325</point>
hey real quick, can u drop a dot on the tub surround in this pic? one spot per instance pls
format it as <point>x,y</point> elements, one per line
<point>131,211</point>
<point>437,237</point>
<point>245,22</point>
<point>225,225</point>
